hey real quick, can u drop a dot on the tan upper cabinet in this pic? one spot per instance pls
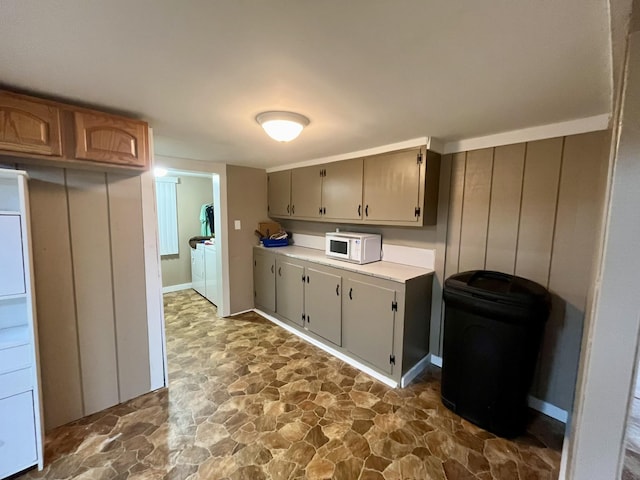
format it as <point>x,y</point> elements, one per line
<point>109,139</point>
<point>279,193</point>
<point>306,192</point>
<point>392,186</point>
<point>342,190</point>
<point>29,126</point>
<point>396,185</point>
<point>49,132</point>
<point>395,188</point>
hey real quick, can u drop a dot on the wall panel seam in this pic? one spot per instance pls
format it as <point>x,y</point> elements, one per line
<point>464,186</point>
<point>524,169</point>
<point>113,286</point>
<point>486,243</point>
<point>75,300</point>
<point>555,212</point>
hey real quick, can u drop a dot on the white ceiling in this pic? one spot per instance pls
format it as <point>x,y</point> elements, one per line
<point>366,72</point>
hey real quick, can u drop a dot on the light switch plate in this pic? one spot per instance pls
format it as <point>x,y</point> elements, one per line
<point>236,224</point>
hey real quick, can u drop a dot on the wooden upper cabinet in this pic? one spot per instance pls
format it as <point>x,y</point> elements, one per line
<point>28,126</point>
<point>342,190</point>
<point>110,139</point>
<point>306,192</point>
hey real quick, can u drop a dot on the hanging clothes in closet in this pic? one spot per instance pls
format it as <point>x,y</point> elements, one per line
<point>207,228</point>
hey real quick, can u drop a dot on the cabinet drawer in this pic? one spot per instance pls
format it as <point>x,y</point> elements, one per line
<point>16,382</point>
<point>17,434</point>
<point>15,358</point>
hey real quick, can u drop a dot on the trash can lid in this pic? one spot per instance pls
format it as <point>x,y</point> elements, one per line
<point>500,287</point>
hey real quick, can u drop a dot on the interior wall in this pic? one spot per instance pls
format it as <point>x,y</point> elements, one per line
<point>529,209</point>
<point>191,193</point>
<point>247,203</point>
<point>532,210</point>
<point>89,287</point>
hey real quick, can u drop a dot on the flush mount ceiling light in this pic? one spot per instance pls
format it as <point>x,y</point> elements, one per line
<point>282,126</point>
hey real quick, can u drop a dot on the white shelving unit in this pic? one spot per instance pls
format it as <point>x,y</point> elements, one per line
<point>20,399</point>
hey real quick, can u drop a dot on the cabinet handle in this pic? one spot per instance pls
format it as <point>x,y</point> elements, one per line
<point>287,209</point>
<point>350,292</point>
<point>366,211</point>
<point>272,269</point>
<point>338,289</point>
<point>293,210</point>
<point>359,210</point>
<point>324,210</point>
<point>308,319</point>
<point>279,271</point>
<point>320,211</point>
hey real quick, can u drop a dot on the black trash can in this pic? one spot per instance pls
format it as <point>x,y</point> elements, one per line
<point>492,331</point>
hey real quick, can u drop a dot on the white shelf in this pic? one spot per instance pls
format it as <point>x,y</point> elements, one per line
<point>14,336</point>
<point>15,296</point>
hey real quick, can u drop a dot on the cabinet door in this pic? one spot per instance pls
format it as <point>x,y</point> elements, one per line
<point>264,281</point>
<point>306,187</point>
<point>289,290</point>
<point>17,434</point>
<point>323,304</point>
<point>279,193</point>
<point>210,275</point>
<point>392,186</point>
<point>11,263</point>
<point>29,126</point>
<point>110,139</point>
<point>342,190</point>
<point>197,271</point>
<point>368,322</point>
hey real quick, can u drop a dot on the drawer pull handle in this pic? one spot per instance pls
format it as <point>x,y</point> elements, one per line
<point>272,269</point>
<point>359,210</point>
<point>279,271</point>
<point>366,211</point>
<point>350,292</point>
<point>338,289</point>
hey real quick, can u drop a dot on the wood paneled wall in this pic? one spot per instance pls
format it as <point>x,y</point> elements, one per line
<point>529,209</point>
<point>90,290</point>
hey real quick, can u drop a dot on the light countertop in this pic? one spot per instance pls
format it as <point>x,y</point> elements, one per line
<point>386,270</point>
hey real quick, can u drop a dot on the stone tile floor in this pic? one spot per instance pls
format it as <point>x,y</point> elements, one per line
<point>248,400</point>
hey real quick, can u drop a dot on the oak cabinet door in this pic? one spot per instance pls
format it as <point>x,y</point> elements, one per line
<point>342,190</point>
<point>110,139</point>
<point>279,193</point>
<point>29,126</point>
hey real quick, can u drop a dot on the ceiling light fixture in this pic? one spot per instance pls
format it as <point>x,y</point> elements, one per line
<point>282,126</point>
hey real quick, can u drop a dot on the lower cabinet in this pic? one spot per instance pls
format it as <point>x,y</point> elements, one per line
<point>290,289</point>
<point>368,321</point>
<point>379,322</point>
<point>323,303</point>
<point>17,433</point>
<point>264,280</point>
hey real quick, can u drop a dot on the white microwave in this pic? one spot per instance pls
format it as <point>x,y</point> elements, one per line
<point>353,247</point>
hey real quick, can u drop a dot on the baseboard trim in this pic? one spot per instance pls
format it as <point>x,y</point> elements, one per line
<point>177,288</point>
<point>548,409</point>
<point>437,361</point>
<point>539,405</point>
<point>414,371</point>
<point>354,363</point>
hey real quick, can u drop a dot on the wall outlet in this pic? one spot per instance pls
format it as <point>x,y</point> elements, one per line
<point>236,224</point>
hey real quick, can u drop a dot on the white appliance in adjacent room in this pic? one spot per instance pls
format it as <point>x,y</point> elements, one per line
<point>20,403</point>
